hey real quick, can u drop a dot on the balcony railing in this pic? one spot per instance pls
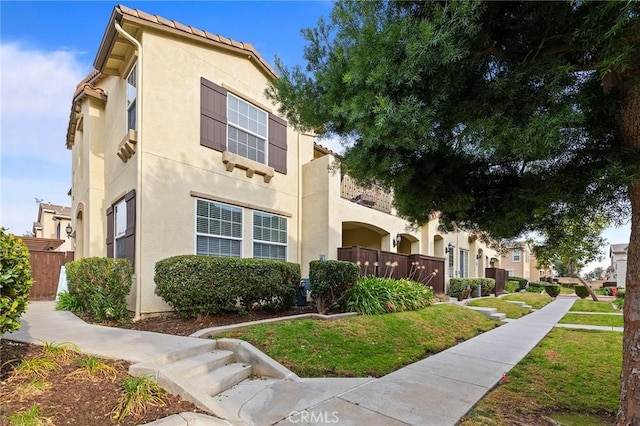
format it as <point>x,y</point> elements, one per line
<point>373,197</point>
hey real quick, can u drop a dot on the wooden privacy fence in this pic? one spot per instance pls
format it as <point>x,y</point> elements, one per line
<point>500,275</point>
<point>45,269</point>
<point>380,263</point>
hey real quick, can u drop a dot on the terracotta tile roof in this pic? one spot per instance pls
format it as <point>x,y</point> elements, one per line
<point>57,209</point>
<point>87,83</point>
<point>214,38</point>
<point>324,149</point>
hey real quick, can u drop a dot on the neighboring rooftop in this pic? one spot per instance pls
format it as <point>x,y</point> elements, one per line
<point>619,248</point>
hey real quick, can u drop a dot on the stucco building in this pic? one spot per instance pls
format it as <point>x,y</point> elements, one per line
<point>177,150</point>
<point>618,256</point>
<point>52,223</point>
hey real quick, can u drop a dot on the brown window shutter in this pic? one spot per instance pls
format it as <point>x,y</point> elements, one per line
<point>130,234</point>
<point>213,115</point>
<point>278,144</point>
<point>110,232</point>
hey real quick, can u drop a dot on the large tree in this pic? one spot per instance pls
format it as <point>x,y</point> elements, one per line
<point>504,116</point>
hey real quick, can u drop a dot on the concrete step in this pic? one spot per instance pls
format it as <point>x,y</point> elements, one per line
<point>201,364</point>
<point>222,378</point>
<point>487,312</point>
<point>499,316</point>
<point>519,303</point>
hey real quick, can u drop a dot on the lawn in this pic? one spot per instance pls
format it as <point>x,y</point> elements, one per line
<point>366,345</point>
<point>571,372</point>
<point>586,319</point>
<point>584,305</point>
<point>536,300</point>
<point>511,310</point>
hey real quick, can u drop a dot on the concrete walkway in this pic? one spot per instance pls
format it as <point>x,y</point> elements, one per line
<point>438,390</point>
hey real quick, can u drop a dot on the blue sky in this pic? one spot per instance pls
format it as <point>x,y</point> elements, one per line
<point>46,48</point>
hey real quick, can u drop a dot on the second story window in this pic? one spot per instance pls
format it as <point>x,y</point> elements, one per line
<point>228,123</point>
<point>516,255</point>
<point>247,133</point>
<point>132,97</point>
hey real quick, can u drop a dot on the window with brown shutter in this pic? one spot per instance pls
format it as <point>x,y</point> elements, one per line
<point>121,228</point>
<point>213,115</point>
<point>110,232</point>
<point>230,123</point>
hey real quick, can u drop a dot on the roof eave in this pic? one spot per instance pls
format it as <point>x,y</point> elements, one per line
<point>108,39</point>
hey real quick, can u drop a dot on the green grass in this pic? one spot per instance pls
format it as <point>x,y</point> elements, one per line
<point>30,417</point>
<point>511,310</point>
<point>139,392</point>
<point>573,371</point>
<point>604,320</point>
<point>536,300</point>
<point>566,290</point>
<point>371,345</point>
<point>593,306</point>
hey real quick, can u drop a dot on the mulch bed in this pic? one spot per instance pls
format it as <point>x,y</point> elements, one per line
<point>69,399</point>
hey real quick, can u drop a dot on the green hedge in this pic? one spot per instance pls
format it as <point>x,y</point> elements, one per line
<point>536,286</point>
<point>581,291</point>
<point>329,281</point>
<point>100,286</point>
<point>195,285</point>
<point>457,286</point>
<point>620,293</point>
<point>522,282</point>
<point>15,281</point>
<point>512,286</point>
<point>552,290</point>
<point>373,296</point>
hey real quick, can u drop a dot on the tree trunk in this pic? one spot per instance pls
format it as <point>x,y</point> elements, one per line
<point>630,378</point>
<point>589,289</point>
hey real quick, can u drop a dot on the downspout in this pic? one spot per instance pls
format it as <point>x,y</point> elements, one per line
<point>138,245</point>
<point>299,197</point>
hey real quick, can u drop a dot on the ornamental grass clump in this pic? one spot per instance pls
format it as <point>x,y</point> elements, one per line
<point>374,296</point>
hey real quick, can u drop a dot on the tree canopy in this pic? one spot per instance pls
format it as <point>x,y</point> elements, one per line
<point>503,116</point>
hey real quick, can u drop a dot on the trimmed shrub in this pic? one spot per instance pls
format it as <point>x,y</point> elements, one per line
<point>512,286</point>
<point>100,286</point>
<point>552,290</point>
<point>620,294</point>
<point>581,291</point>
<point>568,285</point>
<point>373,296</point>
<point>522,282</point>
<point>67,302</point>
<point>606,291</point>
<point>457,286</point>
<point>15,281</point>
<point>195,285</point>
<point>329,281</point>
<point>536,287</point>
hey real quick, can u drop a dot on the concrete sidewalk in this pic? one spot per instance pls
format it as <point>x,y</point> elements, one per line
<point>438,390</point>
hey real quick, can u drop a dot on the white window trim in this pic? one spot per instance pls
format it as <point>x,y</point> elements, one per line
<point>237,126</point>
<point>463,263</point>
<point>120,206</point>
<point>128,106</point>
<point>513,255</point>
<point>195,225</point>
<point>254,240</point>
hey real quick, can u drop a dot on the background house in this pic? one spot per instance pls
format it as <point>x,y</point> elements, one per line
<point>52,223</point>
<point>618,256</point>
<point>176,150</point>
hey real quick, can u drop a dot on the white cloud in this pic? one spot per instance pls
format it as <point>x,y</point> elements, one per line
<point>36,88</point>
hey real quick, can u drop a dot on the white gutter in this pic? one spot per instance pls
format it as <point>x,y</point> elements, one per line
<point>299,196</point>
<point>138,245</point>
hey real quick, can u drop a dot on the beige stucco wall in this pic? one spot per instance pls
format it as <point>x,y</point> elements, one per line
<point>88,178</point>
<point>520,268</point>
<point>175,166</point>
